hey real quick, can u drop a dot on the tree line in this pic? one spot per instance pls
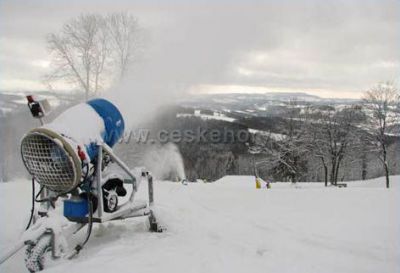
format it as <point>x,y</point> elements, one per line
<point>333,134</point>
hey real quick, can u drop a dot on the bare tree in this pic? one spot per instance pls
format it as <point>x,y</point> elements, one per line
<point>331,135</point>
<point>316,146</point>
<point>382,105</point>
<point>122,28</point>
<point>91,51</point>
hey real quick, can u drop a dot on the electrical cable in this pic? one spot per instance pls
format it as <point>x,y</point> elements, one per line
<point>79,247</point>
<point>33,204</point>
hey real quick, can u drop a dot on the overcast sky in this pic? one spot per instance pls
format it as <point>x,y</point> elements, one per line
<point>328,48</point>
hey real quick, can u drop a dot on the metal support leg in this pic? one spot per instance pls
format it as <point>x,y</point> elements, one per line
<point>100,205</point>
<point>151,190</point>
<point>154,225</point>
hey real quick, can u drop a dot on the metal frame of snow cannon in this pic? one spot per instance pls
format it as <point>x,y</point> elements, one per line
<point>129,209</point>
<point>43,234</point>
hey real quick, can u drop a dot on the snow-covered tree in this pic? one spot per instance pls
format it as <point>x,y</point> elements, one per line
<point>287,156</point>
<point>382,106</point>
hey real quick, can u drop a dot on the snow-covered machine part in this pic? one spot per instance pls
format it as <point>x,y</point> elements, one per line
<point>56,152</point>
<point>69,158</point>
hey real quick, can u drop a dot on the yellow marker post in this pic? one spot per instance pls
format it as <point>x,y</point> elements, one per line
<point>258,183</point>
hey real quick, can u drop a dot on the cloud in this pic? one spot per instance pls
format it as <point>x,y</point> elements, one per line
<point>342,46</point>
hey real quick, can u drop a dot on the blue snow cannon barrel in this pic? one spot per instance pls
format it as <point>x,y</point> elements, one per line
<point>114,125</point>
<point>56,152</point>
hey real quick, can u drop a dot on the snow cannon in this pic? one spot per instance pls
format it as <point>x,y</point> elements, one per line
<point>70,159</point>
<point>55,153</point>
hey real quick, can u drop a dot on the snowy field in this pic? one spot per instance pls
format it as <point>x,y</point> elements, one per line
<point>229,226</point>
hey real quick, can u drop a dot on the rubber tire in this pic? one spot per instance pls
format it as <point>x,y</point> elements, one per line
<point>34,255</point>
<point>106,208</point>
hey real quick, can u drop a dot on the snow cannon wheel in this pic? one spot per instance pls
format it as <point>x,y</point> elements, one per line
<point>35,254</point>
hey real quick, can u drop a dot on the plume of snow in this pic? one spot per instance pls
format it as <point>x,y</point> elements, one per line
<point>165,162</point>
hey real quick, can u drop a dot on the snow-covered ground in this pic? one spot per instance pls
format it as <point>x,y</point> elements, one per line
<point>230,226</point>
<point>216,116</point>
<point>275,136</point>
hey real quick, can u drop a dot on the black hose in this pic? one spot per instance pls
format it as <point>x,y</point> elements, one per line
<point>33,204</point>
<point>90,209</point>
<point>90,218</point>
<point>38,194</point>
<point>89,229</point>
<point>50,199</point>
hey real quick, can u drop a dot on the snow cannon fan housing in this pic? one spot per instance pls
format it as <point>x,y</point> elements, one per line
<point>55,153</point>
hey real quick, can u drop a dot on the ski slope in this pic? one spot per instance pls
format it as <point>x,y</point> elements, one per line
<point>229,226</point>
